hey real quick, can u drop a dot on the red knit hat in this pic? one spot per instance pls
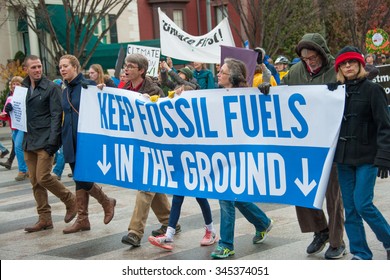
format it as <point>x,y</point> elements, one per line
<point>348,53</point>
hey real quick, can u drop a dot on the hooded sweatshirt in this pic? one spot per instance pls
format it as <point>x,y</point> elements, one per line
<point>298,73</point>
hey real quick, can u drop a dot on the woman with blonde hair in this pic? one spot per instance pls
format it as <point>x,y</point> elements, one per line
<point>362,153</point>
<point>97,75</point>
<point>74,81</point>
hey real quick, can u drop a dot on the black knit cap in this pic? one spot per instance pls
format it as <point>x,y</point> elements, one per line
<point>349,53</point>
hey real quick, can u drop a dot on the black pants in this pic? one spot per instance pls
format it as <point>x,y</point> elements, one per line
<point>80,185</point>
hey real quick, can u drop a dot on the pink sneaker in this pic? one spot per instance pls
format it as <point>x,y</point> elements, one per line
<point>161,241</point>
<point>209,238</point>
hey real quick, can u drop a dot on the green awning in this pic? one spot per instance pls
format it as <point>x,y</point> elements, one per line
<point>58,20</point>
<point>106,54</point>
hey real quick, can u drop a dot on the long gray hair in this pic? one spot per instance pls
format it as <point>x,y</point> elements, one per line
<point>238,72</point>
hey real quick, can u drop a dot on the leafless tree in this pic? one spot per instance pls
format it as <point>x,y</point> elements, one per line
<point>347,22</point>
<point>363,15</point>
<point>275,25</point>
<point>82,18</point>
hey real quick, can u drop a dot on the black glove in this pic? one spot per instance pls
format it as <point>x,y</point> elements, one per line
<point>383,172</point>
<point>264,88</point>
<point>84,84</point>
<point>332,86</point>
<point>51,149</point>
<point>8,108</point>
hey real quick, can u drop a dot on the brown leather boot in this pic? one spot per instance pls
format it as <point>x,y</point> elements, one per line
<point>107,203</point>
<point>21,176</point>
<point>82,221</point>
<point>43,223</point>
<point>71,210</point>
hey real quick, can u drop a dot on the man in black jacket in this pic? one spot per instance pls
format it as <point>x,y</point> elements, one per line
<point>41,141</point>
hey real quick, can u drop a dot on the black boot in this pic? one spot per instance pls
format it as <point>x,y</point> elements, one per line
<point>7,164</point>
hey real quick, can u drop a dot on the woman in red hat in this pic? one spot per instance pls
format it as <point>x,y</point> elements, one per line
<point>363,152</point>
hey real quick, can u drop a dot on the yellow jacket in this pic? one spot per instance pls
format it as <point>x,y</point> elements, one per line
<point>258,79</point>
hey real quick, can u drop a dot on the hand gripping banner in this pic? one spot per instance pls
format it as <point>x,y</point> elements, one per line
<point>230,144</point>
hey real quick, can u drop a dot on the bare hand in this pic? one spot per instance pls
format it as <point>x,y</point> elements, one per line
<point>164,65</point>
<point>169,61</point>
<point>179,90</point>
<point>101,86</point>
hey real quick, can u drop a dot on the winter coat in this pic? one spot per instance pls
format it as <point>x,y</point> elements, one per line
<point>44,114</point>
<point>273,71</point>
<point>176,80</point>
<point>205,78</point>
<point>258,79</point>
<point>282,74</point>
<point>109,83</point>
<point>372,71</point>
<point>5,116</point>
<point>71,106</point>
<point>148,86</point>
<point>365,129</point>
<point>298,73</point>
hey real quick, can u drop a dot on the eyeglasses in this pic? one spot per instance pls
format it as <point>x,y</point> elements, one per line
<point>223,73</point>
<point>310,58</point>
<point>129,66</point>
<point>350,62</point>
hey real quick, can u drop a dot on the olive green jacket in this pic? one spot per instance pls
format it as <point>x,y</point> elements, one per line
<point>298,73</point>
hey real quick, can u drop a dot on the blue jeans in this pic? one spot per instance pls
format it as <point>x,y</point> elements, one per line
<point>251,212</point>
<point>2,148</point>
<point>17,136</point>
<point>177,202</point>
<point>60,163</point>
<point>357,188</point>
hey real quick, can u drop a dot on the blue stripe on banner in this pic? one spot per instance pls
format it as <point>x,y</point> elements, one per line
<point>255,173</point>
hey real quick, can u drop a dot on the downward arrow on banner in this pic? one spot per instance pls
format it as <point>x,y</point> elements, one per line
<point>304,186</point>
<point>104,167</point>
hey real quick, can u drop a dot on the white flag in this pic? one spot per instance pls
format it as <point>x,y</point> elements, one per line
<point>180,45</point>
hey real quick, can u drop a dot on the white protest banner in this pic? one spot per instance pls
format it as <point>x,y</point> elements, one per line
<point>178,44</point>
<point>152,54</point>
<point>18,113</point>
<point>231,144</point>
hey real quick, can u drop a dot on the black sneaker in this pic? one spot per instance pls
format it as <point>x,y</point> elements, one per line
<point>131,239</point>
<point>163,229</point>
<point>335,253</point>
<point>318,244</point>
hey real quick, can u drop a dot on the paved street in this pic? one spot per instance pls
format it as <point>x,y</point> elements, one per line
<point>103,242</point>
